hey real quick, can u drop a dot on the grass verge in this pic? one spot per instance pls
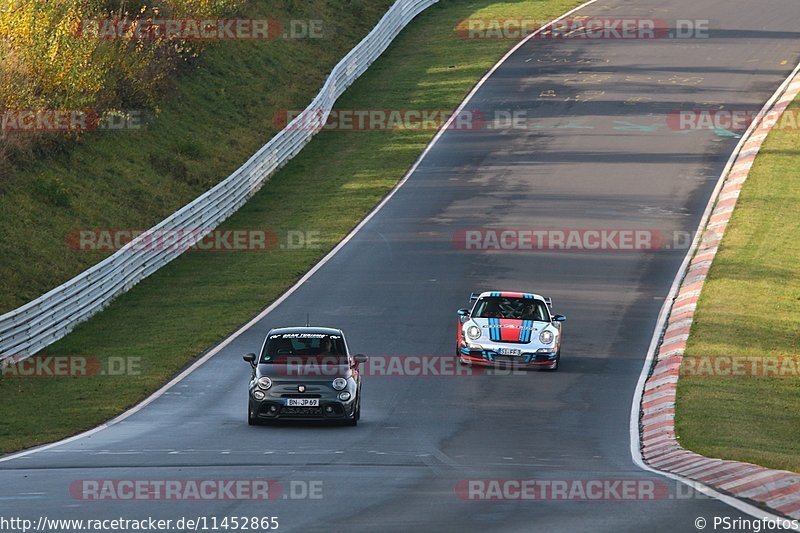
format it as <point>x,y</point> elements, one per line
<point>750,306</point>
<point>340,176</point>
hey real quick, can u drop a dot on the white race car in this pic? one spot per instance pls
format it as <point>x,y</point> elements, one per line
<point>509,328</point>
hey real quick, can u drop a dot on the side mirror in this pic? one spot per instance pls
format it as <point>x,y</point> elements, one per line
<point>463,312</point>
<point>559,318</point>
<point>250,358</point>
<point>360,358</point>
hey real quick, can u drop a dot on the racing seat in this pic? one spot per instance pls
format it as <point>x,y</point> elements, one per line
<point>285,347</point>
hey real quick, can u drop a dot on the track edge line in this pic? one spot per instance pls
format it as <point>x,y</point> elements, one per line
<point>664,315</point>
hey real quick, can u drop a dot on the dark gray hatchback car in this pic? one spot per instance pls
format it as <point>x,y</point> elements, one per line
<point>304,373</point>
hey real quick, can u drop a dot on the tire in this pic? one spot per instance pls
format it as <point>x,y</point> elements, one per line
<point>356,415</point>
<point>251,420</point>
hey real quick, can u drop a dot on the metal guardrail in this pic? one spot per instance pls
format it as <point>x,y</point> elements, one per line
<point>29,328</point>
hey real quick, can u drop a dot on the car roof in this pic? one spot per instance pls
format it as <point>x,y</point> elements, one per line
<point>306,329</point>
<point>510,294</point>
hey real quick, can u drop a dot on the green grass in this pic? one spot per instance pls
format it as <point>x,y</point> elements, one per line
<point>750,305</point>
<point>174,315</point>
<point>214,117</point>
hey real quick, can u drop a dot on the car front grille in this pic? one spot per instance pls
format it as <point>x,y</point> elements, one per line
<point>509,359</point>
<point>301,411</point>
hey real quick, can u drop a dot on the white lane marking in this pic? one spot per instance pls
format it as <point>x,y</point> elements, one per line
<point>106,452</point>
<point>215,350</point>
<point>663,315</point>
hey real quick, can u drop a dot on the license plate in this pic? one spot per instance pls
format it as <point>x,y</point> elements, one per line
<point>508,351</point>
<point>302,402</point>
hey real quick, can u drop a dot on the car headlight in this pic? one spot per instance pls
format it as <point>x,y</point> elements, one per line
<point>474,332</point>
<point>546,337</point>
<point>344,396</point>
<point>259,394</point>
<point>264,383</point>
<point>339,383</point>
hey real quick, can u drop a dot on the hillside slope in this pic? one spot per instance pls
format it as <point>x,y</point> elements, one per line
<point>218,112</point>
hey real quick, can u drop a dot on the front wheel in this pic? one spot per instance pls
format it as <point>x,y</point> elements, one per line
<point>356,415</point>
<point>251,420</point>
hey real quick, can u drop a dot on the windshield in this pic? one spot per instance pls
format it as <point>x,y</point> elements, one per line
<point>301,348</point>
<point>515,308</point>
